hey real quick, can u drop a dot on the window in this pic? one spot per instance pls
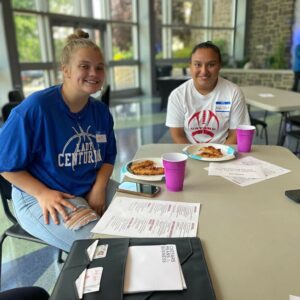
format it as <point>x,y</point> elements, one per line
<point>183,24</point>
<point>34,80</point>
<point>28,41</point>
<point>42,27</point>
<point>26,4</point>
<point>66,7</point>
<point>121,10</point>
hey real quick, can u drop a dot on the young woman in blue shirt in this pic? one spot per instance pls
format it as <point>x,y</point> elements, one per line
<point>58,149</point>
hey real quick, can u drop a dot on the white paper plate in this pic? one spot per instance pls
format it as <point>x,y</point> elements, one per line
<point>194,150</point>
<point>158,163</point>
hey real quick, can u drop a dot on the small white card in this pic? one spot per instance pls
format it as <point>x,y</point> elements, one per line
<point>92,280</point>
<point>79,282</point>
<point>88,281</point>
<point>92,249</point>
<point>294,297</point>
<point>101,251</point>
<point>235,170</point>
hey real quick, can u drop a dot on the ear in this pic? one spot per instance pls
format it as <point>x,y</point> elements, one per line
<point>66,71</point>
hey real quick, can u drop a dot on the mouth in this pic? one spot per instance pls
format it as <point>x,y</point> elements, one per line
<point>92,81</point>
<point>203,77</point>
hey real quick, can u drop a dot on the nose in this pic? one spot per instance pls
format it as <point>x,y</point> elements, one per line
<point>93,71</point>
<point>204,69</point>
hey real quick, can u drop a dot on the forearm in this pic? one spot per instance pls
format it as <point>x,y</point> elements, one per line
<point>178,136</point>
<point>26,182</point>
<point>231,138</point>
<point>103,176</point>
<point>97,195</point>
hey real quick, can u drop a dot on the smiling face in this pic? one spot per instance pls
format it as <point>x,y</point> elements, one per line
<point>84,73</point>
<point>205,66</point>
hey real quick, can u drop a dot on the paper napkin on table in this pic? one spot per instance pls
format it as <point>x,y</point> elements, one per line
<point>153,268</point>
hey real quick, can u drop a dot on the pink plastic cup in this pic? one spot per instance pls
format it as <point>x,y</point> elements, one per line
<point>244,134</point>
<point>174,165</point>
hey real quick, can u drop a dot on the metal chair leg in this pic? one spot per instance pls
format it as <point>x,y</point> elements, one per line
<point>59,258</point>
<point>3,237</point>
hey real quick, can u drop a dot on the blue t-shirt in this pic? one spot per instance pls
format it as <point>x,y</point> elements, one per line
<point>62,149</point>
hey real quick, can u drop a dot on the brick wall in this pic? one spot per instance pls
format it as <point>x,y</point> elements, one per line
<point>269,23</point>
<point>282,79</point>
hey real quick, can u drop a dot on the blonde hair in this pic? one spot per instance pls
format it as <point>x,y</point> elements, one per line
<point>78,39</point>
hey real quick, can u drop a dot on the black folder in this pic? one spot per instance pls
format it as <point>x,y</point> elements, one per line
<point>190,254</point>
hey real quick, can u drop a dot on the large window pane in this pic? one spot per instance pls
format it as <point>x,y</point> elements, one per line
<point>121,10</point>
<point>24,4</point>
<point>95,35</point>
<point>28,41</point>
<point>224,40</point>
<point>125,77</point>
<point>223,14</point>
<point>188,12</point>
<point>60,35</point>
<point>66,7</point>
<point>184,40</point>
<point>122,44</point>
<point>33,80</point>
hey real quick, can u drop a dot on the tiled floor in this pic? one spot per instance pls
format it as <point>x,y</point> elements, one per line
<point>136,123</point>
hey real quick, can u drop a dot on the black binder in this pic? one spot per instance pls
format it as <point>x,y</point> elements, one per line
<point>190,255</point>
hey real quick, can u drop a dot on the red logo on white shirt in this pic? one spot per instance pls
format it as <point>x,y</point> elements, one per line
<point>202,126</point>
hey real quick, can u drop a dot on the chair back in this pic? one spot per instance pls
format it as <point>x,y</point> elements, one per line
<point>162,71</point>
<point>105,97</point>
<point>15,96</point>
<point>7,108</point>
<point>5,191</point>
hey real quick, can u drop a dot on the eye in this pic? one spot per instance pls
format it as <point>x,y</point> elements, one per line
<point>100,68</point>
<point>211,65</point>
<point>82,66</point>
<point>197,65</point>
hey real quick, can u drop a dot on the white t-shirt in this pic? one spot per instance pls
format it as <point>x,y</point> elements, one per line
<point>207,118</point>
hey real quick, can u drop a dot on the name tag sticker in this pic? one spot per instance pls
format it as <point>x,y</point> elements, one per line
<point>101,138</point>
<point>223,106</point>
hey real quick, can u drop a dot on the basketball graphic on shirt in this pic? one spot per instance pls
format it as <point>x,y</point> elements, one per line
<point>80,149</point>
<point>203,125</point>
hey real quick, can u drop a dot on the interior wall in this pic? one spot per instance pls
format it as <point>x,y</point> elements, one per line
<point>269,26</point>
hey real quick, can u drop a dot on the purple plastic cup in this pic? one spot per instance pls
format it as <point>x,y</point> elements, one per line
<point>174,165</point>
<point>244,134</point>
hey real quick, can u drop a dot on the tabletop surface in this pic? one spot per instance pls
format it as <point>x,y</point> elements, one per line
<point>250,235</point>
<point>271,99</point>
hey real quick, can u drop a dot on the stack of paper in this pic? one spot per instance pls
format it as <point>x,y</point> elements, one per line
<point>153,268</point>
<point>136,217</point>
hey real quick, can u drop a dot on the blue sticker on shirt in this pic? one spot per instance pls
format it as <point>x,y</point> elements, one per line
<point>223,106</point>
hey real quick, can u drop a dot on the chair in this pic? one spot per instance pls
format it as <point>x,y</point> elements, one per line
<point>260,123</point>
<point>25,293</point>
<point>6,109</point>
<point>296,135</point>
<point>290,122</point>
<point>257,122</point>
<point>15,231</point>
<point>15,96</point>
<point>105,97</point>
<point>162,71</point>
